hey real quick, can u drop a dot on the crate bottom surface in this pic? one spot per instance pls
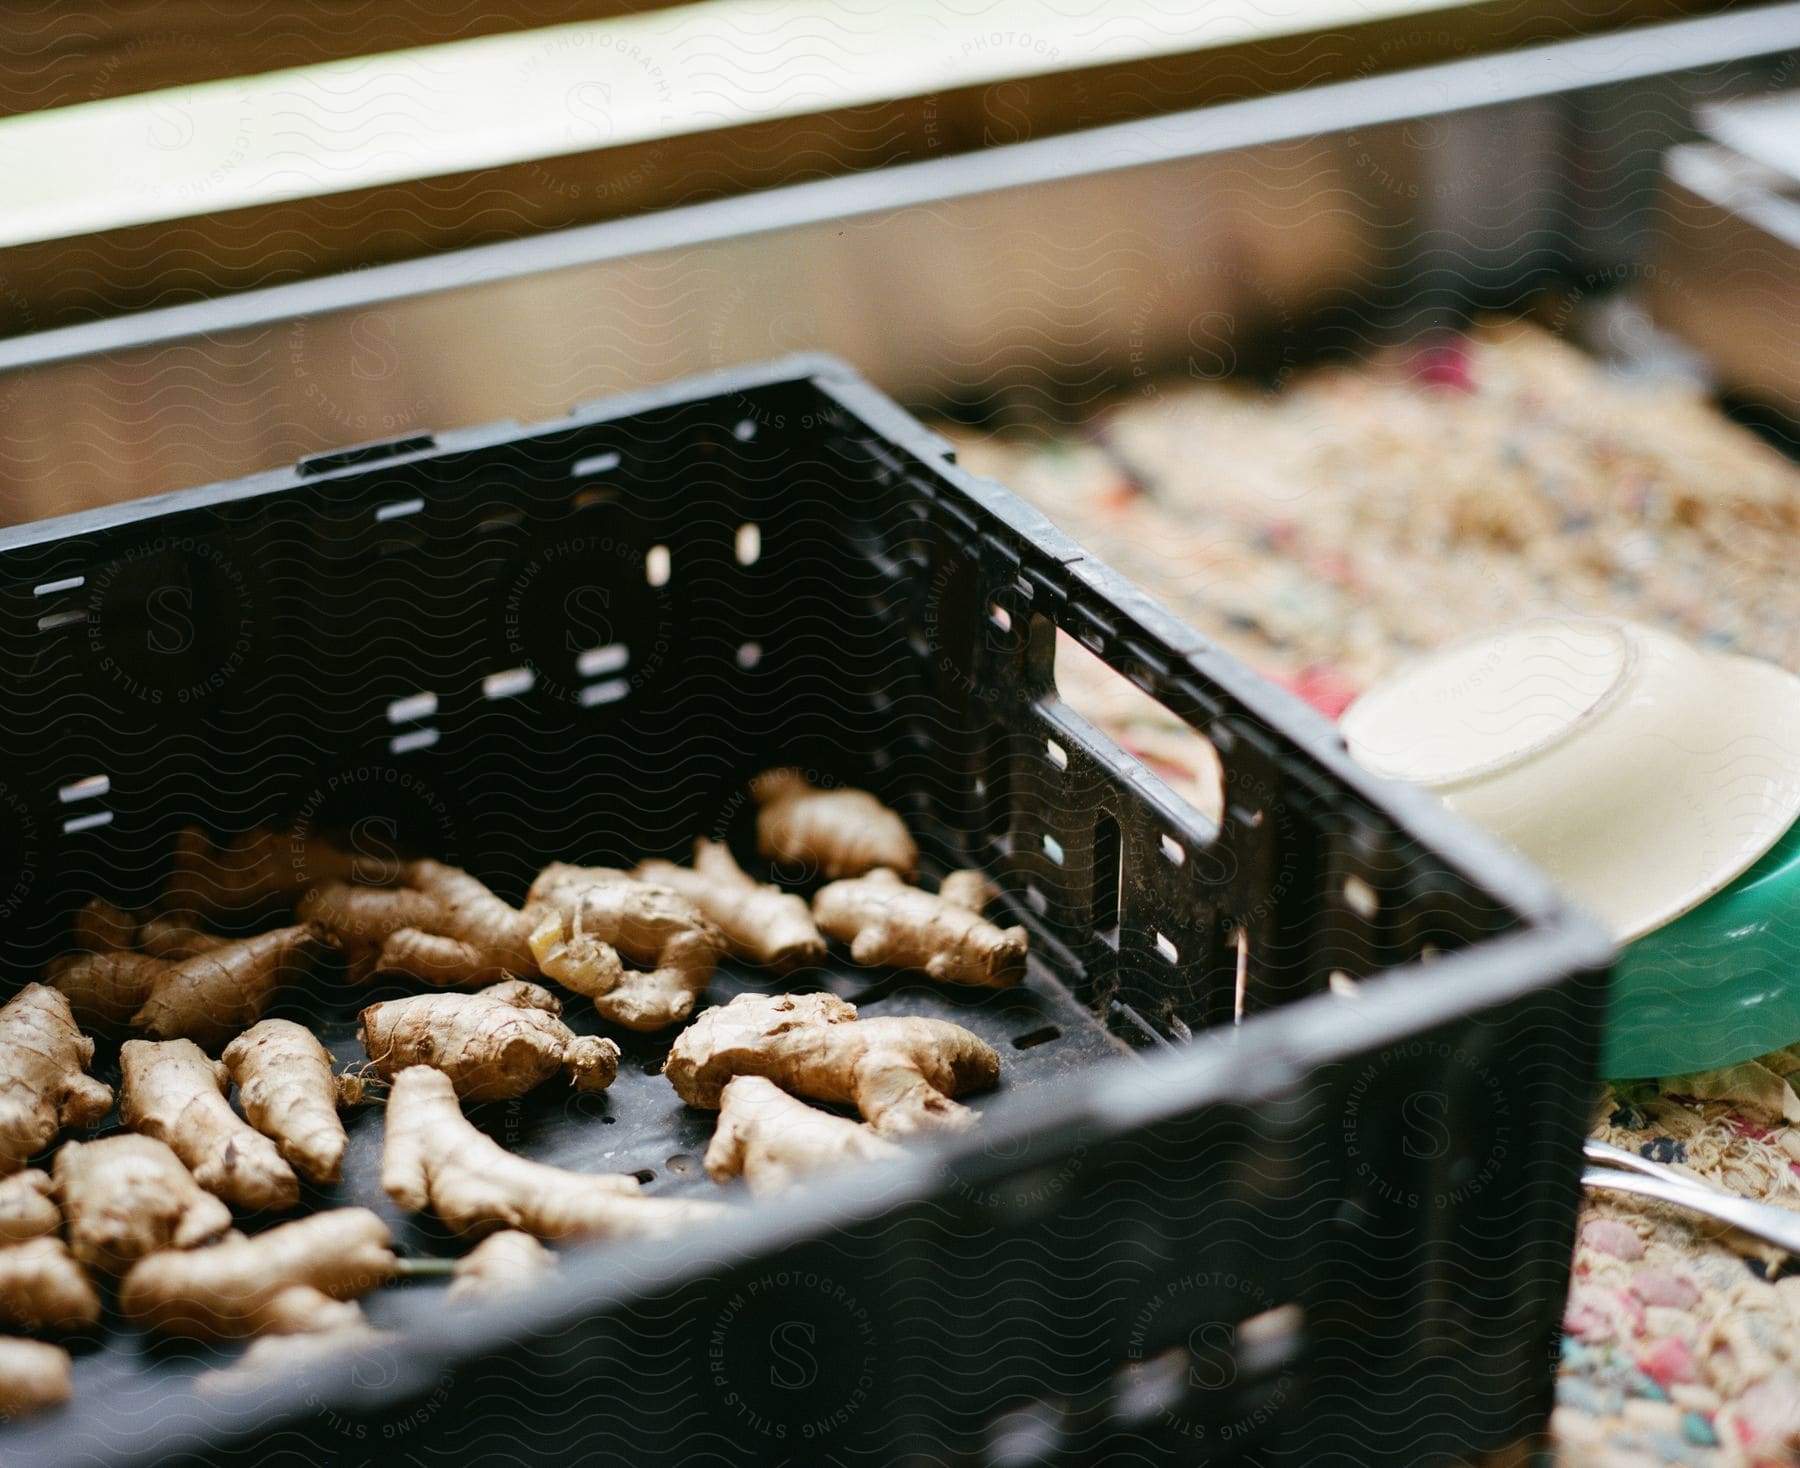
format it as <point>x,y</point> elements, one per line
<point>637,1125</point>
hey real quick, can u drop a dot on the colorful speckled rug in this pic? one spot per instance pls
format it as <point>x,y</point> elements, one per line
<point>1682,1337</point>
<point>1325,533</point>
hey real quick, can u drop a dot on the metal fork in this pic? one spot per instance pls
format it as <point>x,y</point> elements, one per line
<point>1626,1172</point>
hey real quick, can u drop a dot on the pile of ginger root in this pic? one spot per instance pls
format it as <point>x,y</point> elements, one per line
<point>207,1192</point>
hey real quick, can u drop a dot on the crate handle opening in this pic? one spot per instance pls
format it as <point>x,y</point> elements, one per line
<point>1183,757</point>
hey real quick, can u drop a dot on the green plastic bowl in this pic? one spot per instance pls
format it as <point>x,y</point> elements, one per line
<point>1718,985</point>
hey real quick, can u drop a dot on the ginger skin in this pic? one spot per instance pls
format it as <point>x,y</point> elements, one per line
<point>761,924</point>
<point>434,1158</point>
<point>33,1375</point>
<point>101,927</point>
<point>587,918</point>
<point>106,988</point>
<point>127,1196</point>
<point>218,992</point>
<point>900,1073</point>
<point>120,959</point>
<point>771,1140</point>
<point>28,1207</point>
<point>501,1264</point>
<point>44,1085</point>
<point>171,1091</point>
<point>492,1045</point>
<point>887,922</point>
<point>289,1094</point>
<point>293,1278</point>
<point>257,871</point>
<point>440,926</point>
<point>43,1288</point>
<point>167,936</point>
<point>837,833</point>
<point>270,1357</point>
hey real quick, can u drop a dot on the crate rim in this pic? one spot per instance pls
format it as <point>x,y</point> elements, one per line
<point>1511,877</point>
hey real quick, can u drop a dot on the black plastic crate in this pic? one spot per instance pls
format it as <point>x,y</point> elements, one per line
<point>1221,1209</point>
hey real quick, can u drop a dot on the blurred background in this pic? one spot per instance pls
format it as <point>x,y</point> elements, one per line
<point>230,236</point>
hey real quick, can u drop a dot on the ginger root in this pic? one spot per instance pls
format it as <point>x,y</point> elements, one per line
<point>435,1158</point>
<point>900,1073</point>
<point>43,1288</point>
<point>168,936</point>
<point>100,926</point>
<point>295,1277</point>
<point>33,1375</point>
<point>27,1207</point>
<point>270,1357</point>
<point>172,1091</point>
<point>887,922</point>
<point>208,994</point>
<point>257,871</point>
<point>439,925</point>
<point>771,1140</point>
<point>44,1085</point>
<point>492,1045</point>
<point>761,924</point>
<point>839,833</point>
<point>289,1094</point>
<point>587,918</point>
<point>127,1196</point>
<point>501,1264</point>
<point>103,979</point>
<point>119,959</point>
<point>213,995</point>
<point>106,988</point>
